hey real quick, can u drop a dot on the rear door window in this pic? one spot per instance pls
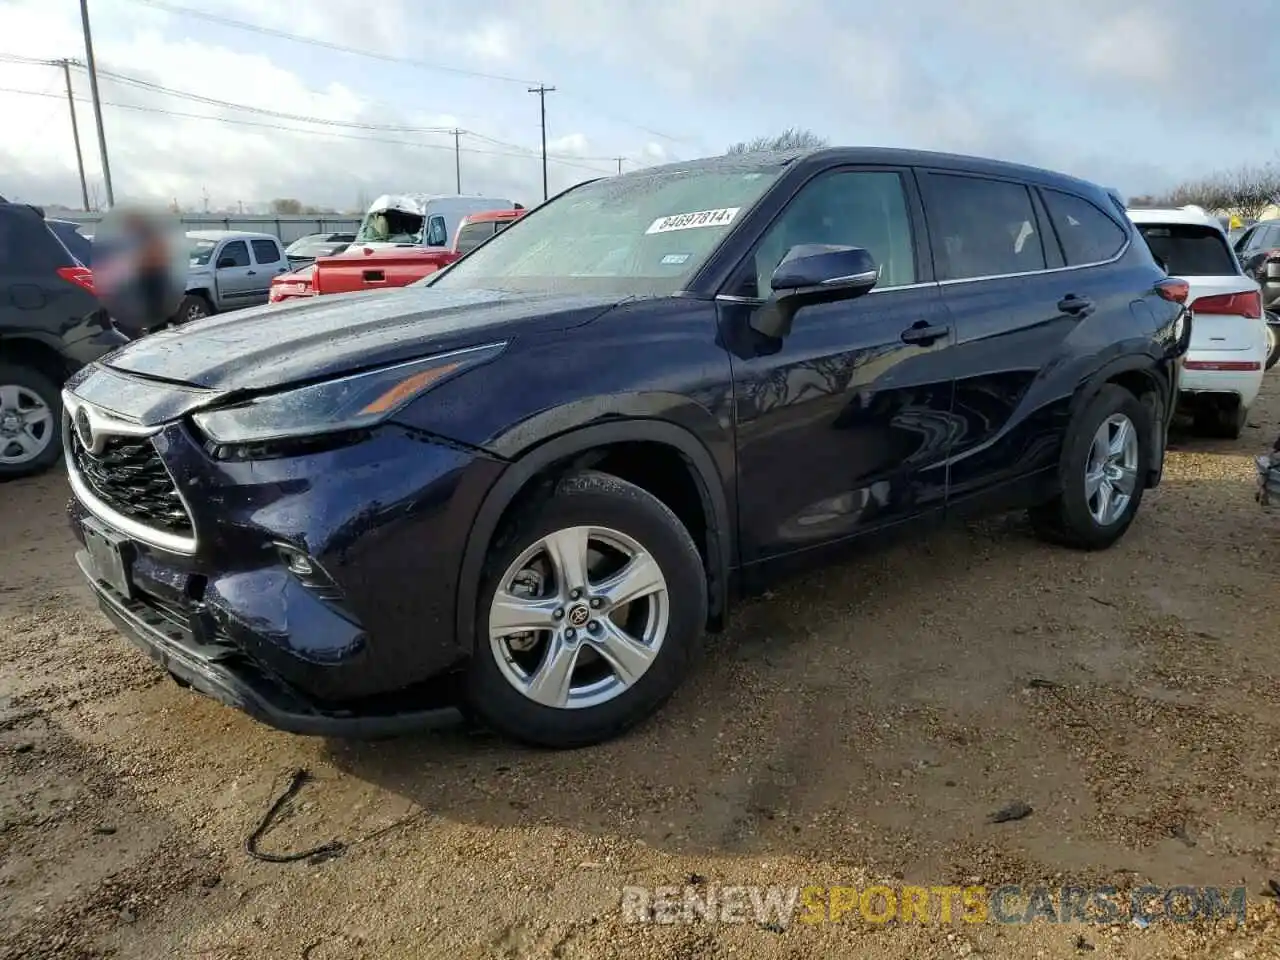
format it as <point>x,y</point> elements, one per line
<point>981,227</point>
<point>1190,250</point>
<point>1088,235</point>
<point>266,251</point>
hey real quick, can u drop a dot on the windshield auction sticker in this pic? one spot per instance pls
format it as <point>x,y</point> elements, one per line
<point>700,218</point>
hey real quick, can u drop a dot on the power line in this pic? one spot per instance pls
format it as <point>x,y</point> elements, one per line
<point>325,121</point>
<point>310,133</point>
<point>262,111</point>
<point>338,47</point>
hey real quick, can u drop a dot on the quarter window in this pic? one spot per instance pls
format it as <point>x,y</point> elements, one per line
<point>865,209</point>
<point>1088,235</point>
<point>980,227</point>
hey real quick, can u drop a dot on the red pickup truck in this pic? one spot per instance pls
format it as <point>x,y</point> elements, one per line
<point>365,268</point>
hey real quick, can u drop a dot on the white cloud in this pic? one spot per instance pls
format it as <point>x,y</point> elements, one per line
<point>494,42</point>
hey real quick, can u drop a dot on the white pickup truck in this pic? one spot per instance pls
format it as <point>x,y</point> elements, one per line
<point>229,269</point>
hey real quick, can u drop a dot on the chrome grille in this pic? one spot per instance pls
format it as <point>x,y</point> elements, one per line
<point>129,477</point>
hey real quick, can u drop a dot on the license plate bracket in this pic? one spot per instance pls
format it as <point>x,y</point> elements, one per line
<point>108,552</point>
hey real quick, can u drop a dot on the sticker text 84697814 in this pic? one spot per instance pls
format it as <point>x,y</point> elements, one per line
<point>699,218</point>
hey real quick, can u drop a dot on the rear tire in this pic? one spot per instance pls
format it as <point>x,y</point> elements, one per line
<point>1273,344</point>
<point>30,422</point>
<point>1072,518</point>
<point>621,660</point>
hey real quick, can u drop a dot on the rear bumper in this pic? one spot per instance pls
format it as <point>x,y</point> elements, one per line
<point>218,669</point>
<point>1244,384</point>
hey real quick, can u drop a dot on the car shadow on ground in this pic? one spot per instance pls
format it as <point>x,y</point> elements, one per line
<point>879,710</point>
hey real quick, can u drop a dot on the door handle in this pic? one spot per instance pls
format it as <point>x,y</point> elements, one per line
<point>1073,304</point>
<point>251,273</point>
<point>923,333</point>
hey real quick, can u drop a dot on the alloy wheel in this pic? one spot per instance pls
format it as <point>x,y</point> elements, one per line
<point>26,425</point>
<point>1111,472</point>
<point>579,617</point>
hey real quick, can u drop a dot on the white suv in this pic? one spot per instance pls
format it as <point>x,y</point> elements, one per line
<point>1223,369</point>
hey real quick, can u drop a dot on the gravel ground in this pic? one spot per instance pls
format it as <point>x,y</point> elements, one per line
<point>859,724</point>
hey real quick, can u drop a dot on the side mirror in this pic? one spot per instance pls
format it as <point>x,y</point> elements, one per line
<point>810,274</point>
<point>224,262</point>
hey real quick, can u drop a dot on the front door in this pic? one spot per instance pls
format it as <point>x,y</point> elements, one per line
<point>843,427</point>
<point>236,276</point>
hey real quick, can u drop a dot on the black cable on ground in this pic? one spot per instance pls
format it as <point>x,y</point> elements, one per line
<point>326,851</point>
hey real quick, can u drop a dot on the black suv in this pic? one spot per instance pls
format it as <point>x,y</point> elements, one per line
<point>527,483</point>
<point>50,326</point>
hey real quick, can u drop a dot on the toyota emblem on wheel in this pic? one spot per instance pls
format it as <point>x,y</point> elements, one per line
<point>579,616</point>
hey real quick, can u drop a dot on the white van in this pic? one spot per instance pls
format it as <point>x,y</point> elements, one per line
<point>419,219</point>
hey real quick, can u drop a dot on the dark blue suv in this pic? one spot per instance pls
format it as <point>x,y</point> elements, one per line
<point>527,484</point>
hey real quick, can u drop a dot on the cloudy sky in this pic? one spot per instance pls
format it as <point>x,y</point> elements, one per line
<point>1135,93</point>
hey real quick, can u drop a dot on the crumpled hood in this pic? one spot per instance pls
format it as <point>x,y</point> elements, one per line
<point>318,337</point>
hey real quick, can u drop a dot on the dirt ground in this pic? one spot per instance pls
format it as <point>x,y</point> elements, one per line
<point>857,725</point>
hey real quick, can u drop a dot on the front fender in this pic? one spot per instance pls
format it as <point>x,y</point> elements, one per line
<point>580,437</point>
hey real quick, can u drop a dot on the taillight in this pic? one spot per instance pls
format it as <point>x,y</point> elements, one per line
<point>82,277</point>
<point>1234,304</point>
<point>1173,289</point>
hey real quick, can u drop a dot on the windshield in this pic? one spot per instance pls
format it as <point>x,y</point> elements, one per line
<point>390,226</point>
<point>201,251</point>
<point>1189,250</point>
<point>634,235</point>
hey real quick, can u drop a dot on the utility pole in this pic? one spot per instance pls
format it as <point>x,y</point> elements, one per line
<point>97,103</point>
<point>619,159</point>
<point>542,90</point>
<point>457,159</point>
<point>75,134</point>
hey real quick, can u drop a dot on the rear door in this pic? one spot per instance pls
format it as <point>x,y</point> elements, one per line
<point>990,247</point>
<point>237,277</point>
<point>269,261</point>
<point>1226,304</point>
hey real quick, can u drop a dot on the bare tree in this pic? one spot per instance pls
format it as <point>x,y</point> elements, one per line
<point>793,138</point>
<point>1246,191</point>
<point>1253,189</point>
<point>286,205</point>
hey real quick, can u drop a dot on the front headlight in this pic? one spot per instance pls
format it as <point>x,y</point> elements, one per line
<point>348,403</point>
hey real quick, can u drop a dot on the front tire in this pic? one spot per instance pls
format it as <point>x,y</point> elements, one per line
<point>1103,470</point>
<point>193,307</point>
<point>592,601</point>
<point>30,422</point>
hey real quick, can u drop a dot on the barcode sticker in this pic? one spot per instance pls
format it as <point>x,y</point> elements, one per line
<point>699,218</point>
